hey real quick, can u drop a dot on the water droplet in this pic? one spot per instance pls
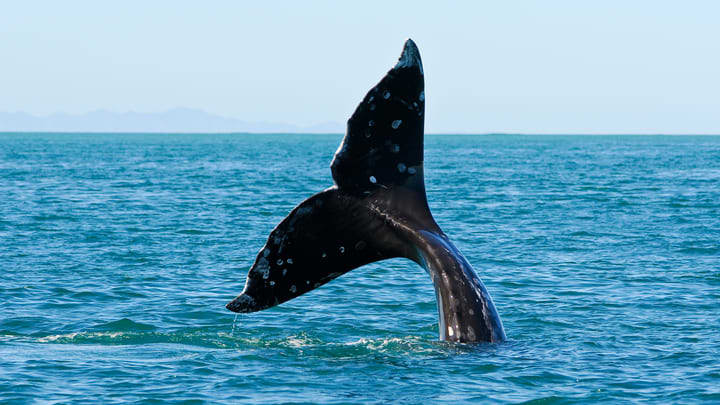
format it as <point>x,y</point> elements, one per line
<point>293,288</point>
<point>396,124</point>
<point>279,262</point>
<point>290,261</point>
<point>233,327</point>
<point>371,123</point>
<point>324,255</point>
<point>411,170</point>
<point>396,148</point>
<point>342,249</point>
<point>386,95</point>
<point>401,167</point>
<point>373,179</point>
<point>372,107</point>
<point>266,253</point>
<point>272,283</point>
<point>284,272</point>
<point>422,95</point>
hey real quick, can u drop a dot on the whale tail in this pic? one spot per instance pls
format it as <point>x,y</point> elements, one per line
<point>376,210</point>
<point>379,178</point>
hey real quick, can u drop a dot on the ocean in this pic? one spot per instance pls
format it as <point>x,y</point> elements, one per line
<point>118,253</point>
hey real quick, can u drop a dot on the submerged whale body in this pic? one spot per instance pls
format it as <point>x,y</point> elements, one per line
<point>376,210</point>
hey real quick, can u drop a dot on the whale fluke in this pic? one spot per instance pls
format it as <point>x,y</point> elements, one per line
<point>376,210</point>
<point>383,146</point>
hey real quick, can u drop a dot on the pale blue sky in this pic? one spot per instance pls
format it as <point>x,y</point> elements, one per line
<point>510,66</point>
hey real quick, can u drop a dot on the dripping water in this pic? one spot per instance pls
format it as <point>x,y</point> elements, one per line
<point>232,331</point>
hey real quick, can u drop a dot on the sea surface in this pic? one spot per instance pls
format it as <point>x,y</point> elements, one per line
<point>118,253</point>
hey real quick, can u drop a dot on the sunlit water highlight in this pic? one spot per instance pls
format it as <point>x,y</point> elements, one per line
<point>119,253</point>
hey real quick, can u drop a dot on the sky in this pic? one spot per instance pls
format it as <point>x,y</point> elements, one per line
<point>511,66</point>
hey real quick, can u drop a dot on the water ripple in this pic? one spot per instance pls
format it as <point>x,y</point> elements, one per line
<point>120,251</point>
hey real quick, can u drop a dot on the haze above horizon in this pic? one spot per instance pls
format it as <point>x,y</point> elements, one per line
<point>527,67</point>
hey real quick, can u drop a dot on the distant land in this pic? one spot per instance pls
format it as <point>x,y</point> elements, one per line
<point>174,120</point>
<point>190,120</point>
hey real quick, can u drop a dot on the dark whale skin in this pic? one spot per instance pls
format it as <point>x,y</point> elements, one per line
<point>376,210</point>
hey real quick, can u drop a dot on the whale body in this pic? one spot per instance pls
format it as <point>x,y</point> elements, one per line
<point>376,210</point>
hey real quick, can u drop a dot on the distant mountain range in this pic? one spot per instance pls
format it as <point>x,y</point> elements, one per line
<point>175,120</point>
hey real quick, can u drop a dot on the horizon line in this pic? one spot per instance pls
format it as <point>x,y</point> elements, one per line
<point>343,133</point>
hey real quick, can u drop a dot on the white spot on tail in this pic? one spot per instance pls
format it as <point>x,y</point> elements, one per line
<point>263,267</point>
<point>450,331</point>
<point>471,333</point>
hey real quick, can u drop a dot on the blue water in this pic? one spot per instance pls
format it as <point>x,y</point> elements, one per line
<point>119,252</point>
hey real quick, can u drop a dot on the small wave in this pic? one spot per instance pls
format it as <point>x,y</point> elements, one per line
<point>700,250</point>
<point>193,232</point>
<point>409,342</point>
<point>8,334</point>
<point>301,343</point>
<point>52,217</point>
<point>62,338</point>
<point>115,338</point>
<point>123,325</point>
<point>552,399</point>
